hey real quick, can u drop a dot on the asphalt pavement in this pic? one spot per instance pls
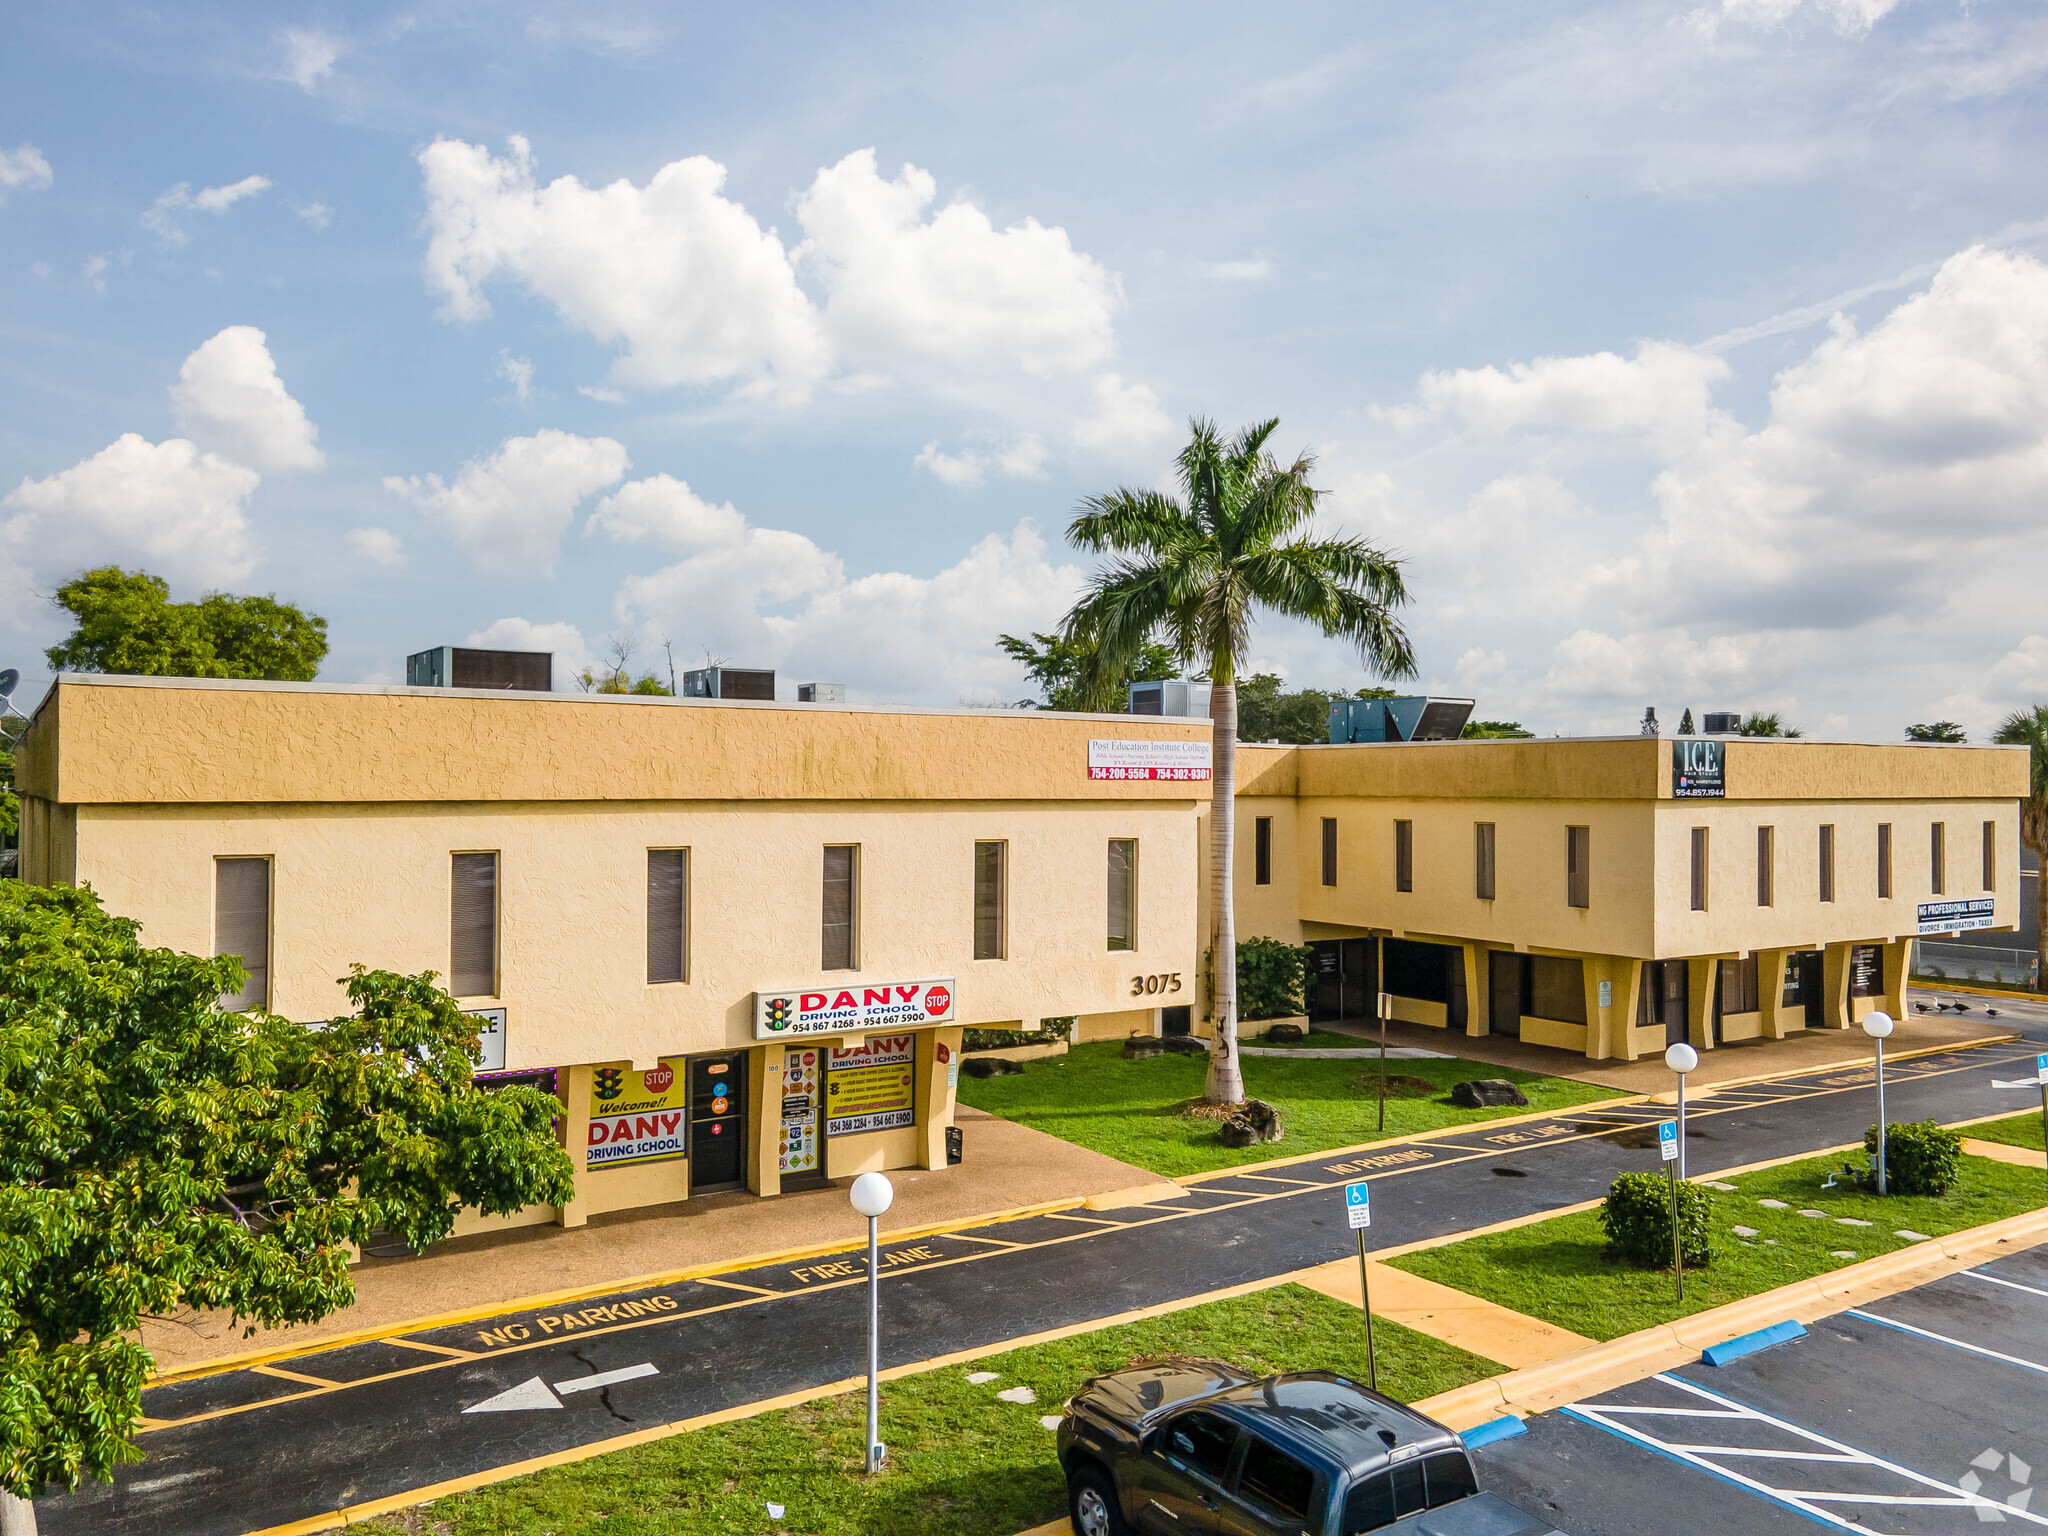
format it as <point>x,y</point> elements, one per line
<point>248,1449</point>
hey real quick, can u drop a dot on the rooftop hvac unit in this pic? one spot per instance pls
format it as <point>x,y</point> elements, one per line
<point>1719,724</point>
<point>1409,719</point>
<point>1170,697</point>
<point>460,666</point>
<point>821,693</point>
<point>729,683</point>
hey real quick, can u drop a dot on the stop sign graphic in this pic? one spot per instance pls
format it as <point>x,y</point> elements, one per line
<point>937,1000</point>
<point>659,1079</point>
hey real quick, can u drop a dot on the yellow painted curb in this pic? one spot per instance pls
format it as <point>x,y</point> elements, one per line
<point>1142,1194</point>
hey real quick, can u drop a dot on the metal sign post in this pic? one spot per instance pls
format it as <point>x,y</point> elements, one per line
<point>2041,1071</point>
<point>1386,1013</point>
<point>1358,1208</point>
<point>872,1194</point>
<point>1668,1148</point>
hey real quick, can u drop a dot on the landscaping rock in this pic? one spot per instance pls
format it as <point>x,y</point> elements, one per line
<point>1851,1221</point>
<point>989,1066</point>
<point>1911,1236</point>
<point>1487,1093</point>
<point>1815,1215</point>
<point>1143,1047</point>
<point>1842,1253</point>
<point>1738,1231</point>
<point>1184,1045</point>
<point>1717,1184</point>
<point>1256,1122</point>
<point>1774,1205</point>
<point>1286,1034</point>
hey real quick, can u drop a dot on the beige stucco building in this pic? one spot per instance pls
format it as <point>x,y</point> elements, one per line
<point>740,940</point>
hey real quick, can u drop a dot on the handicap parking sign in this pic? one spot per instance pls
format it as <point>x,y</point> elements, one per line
<point>2041,1069</point>
<point>1667,1140</point>
<point>1358,1205</point>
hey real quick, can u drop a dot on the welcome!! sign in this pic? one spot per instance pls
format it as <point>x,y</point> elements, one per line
<point>837,1008</point>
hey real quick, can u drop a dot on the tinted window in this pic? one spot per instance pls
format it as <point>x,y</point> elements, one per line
<point>1275,1480</point>
<point>1450,1478</point>
<point>1383,1498</point>
<point>1201,1442</point>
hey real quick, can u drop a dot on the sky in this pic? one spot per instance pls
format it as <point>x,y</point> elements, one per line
<point>1687,355</point>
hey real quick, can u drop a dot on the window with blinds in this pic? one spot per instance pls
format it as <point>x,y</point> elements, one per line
<point>1329,850</point>
<point>1937,858</point>
<point>842,907</point>
<point>241,926</point>
<point>1766,865</point>
<point>668,915</point>
<point>1699,869</point>
<point>1482,860</point>
<point>473,926</point>
<point>1262,851</point>
<point>1827,863</point>
<point>1578,860</point>
<point>1738,982</point>
<point>1990,855</point>
<point>1884,858</point>
<point>1123,893</point>
<point>1404,856</point>
<point>989,860</point>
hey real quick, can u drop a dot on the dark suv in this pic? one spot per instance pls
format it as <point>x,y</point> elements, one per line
<point>1203,1448</point>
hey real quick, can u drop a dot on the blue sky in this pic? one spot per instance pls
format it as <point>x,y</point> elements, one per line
<point>1693,355</point>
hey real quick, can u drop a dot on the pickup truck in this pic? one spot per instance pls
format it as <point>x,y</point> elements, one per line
<point>1202,1449</point>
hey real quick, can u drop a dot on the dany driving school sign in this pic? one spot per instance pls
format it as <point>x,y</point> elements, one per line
<point>636,1117</point>
<point>839,1010</point>
<point>1186,761</point>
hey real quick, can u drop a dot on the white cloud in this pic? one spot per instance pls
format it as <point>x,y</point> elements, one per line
<point>380,546</point>
<point>308,56</point>
<point>507,512</point>
<point>317,215</point>
<point>1022,458</point>
<point>1851,18</point>
<point>571,650</point>
<point>23,167</point>
<point>39,268</point>
<point>698,293</point>
<point>161,217</point>
<point>1251,269</point>
<point>94,272</point>
<point>953,469</point>
<point>518,372</point>
<point>1126,421</point>
<point>664,510</point>
<point>178,510</point>
<point>598,392</point>
<point>949,287</point>
<point>229,397</point>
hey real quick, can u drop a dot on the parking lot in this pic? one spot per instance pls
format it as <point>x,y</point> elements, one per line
<point>1924,1413</point>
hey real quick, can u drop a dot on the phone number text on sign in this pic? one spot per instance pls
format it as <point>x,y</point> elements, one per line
<point>1142,761</point>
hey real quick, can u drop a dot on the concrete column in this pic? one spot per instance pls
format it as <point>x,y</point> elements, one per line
<point>1770,989</point>
<point>764,1159</point>
<point>1478,996</point>
<point>1699,1002</point>
<point>1628,992</point>
<point>572,1085</point>
<point>935,1094</point>
<point>1835,987</point>
<point>1898,957</point>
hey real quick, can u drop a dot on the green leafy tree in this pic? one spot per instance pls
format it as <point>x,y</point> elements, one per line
<point>2029,728</point>
<point>1940,730</point>
<point>1769,725</point>
<point>1685,725</point>
<point>1056,665</point>
<point>157,1152</point>
<point>125,622</point>
<point>615,673</point>
<point>1196,570</point>
<point>1493,730</point>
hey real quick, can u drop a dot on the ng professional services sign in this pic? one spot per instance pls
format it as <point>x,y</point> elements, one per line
<point>1186,761</point>
<point>840,1009</point>
<point>1696,769</point>
<point>1955,916</point>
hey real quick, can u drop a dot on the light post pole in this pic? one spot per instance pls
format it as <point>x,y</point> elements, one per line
<point>1386,1012</point>
<point>1877,1024</point>
<point>872,1194</point>
<point>1681,1058</point>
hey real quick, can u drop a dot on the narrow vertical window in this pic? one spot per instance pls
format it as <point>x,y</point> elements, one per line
<point>473,926</point>
<point>841,907</point>
<point>1827,863</point>
<point>1937,858</point>
<point>241,926</point>
<point>1262,851</point>
<point>1123,893</point>
<point>1884,859</point>
<point>1578,860</point>
<point>668,915</point>
<point>1699,869</point>
<point>1766,865</point>
<point>1404,856</point>
<point>988,900</point>
<point>1482,860</point>
<point>1990,855</point>
<point>1329,850</point>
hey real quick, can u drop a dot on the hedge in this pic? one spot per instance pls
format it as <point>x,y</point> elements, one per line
<point>1637,1216</point>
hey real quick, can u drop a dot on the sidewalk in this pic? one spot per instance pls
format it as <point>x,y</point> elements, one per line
<point>1005,1166</point>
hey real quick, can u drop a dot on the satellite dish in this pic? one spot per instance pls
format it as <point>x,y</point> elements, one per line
<point>8,679</point>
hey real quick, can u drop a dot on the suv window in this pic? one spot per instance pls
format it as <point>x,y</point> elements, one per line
<point>1200,1442</point>
<point>1275,1481</point>
<point>1450,1478</point>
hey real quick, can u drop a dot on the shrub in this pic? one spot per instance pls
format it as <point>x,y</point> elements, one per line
<point>1920,1157</point>
<point>1050,1032</point>
<point>1271,977</point>
<point>1637,1216</point>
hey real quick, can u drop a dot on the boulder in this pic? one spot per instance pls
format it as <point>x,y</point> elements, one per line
<point>1286,1034</point>
<point>1255,1122</point>
<point>990,1066</point>
<point>1487,1093</point>
<point>1184,1045</point>
<point>1143,1047</point>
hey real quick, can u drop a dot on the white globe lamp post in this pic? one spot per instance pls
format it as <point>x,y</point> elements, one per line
<point>872,1194</point>
<point>1681,1058</point>
<point>1878,1024</point>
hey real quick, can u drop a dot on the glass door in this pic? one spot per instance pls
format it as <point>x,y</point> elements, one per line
<point>718,1123</point>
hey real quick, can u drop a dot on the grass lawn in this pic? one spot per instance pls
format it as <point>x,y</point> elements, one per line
<point>1132,1109</point>
<point>2020,1131</point>
<point>1320,1040</point>
<point>960,1459</point>
<point>1556,1269</point>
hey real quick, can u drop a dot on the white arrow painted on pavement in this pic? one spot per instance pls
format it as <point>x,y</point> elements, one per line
<point>534,1393</point>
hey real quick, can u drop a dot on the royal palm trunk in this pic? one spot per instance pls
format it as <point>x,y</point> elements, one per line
<point>1226,1081</point>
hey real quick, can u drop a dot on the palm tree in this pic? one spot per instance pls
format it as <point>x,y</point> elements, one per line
<point>2029,728</point>
<point>1194,570</point>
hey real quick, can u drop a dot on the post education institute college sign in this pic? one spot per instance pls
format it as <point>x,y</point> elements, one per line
<point>1187,761</point>
<point>844,1009</point>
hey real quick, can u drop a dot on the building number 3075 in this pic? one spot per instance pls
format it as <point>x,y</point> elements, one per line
<point>1166,982</point>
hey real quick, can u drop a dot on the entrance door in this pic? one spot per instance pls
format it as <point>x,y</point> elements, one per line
<point>1454,988</point>
<point>1504,992</point>
<point>718,1122</point>
<point>1361,980</point>
<point>1675,1000</point>
<point>800,1148</point>
<point>1810,983</point>
<point>1326,981</point>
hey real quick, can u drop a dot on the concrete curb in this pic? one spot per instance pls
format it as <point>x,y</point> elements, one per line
<point>1539,1388</point>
